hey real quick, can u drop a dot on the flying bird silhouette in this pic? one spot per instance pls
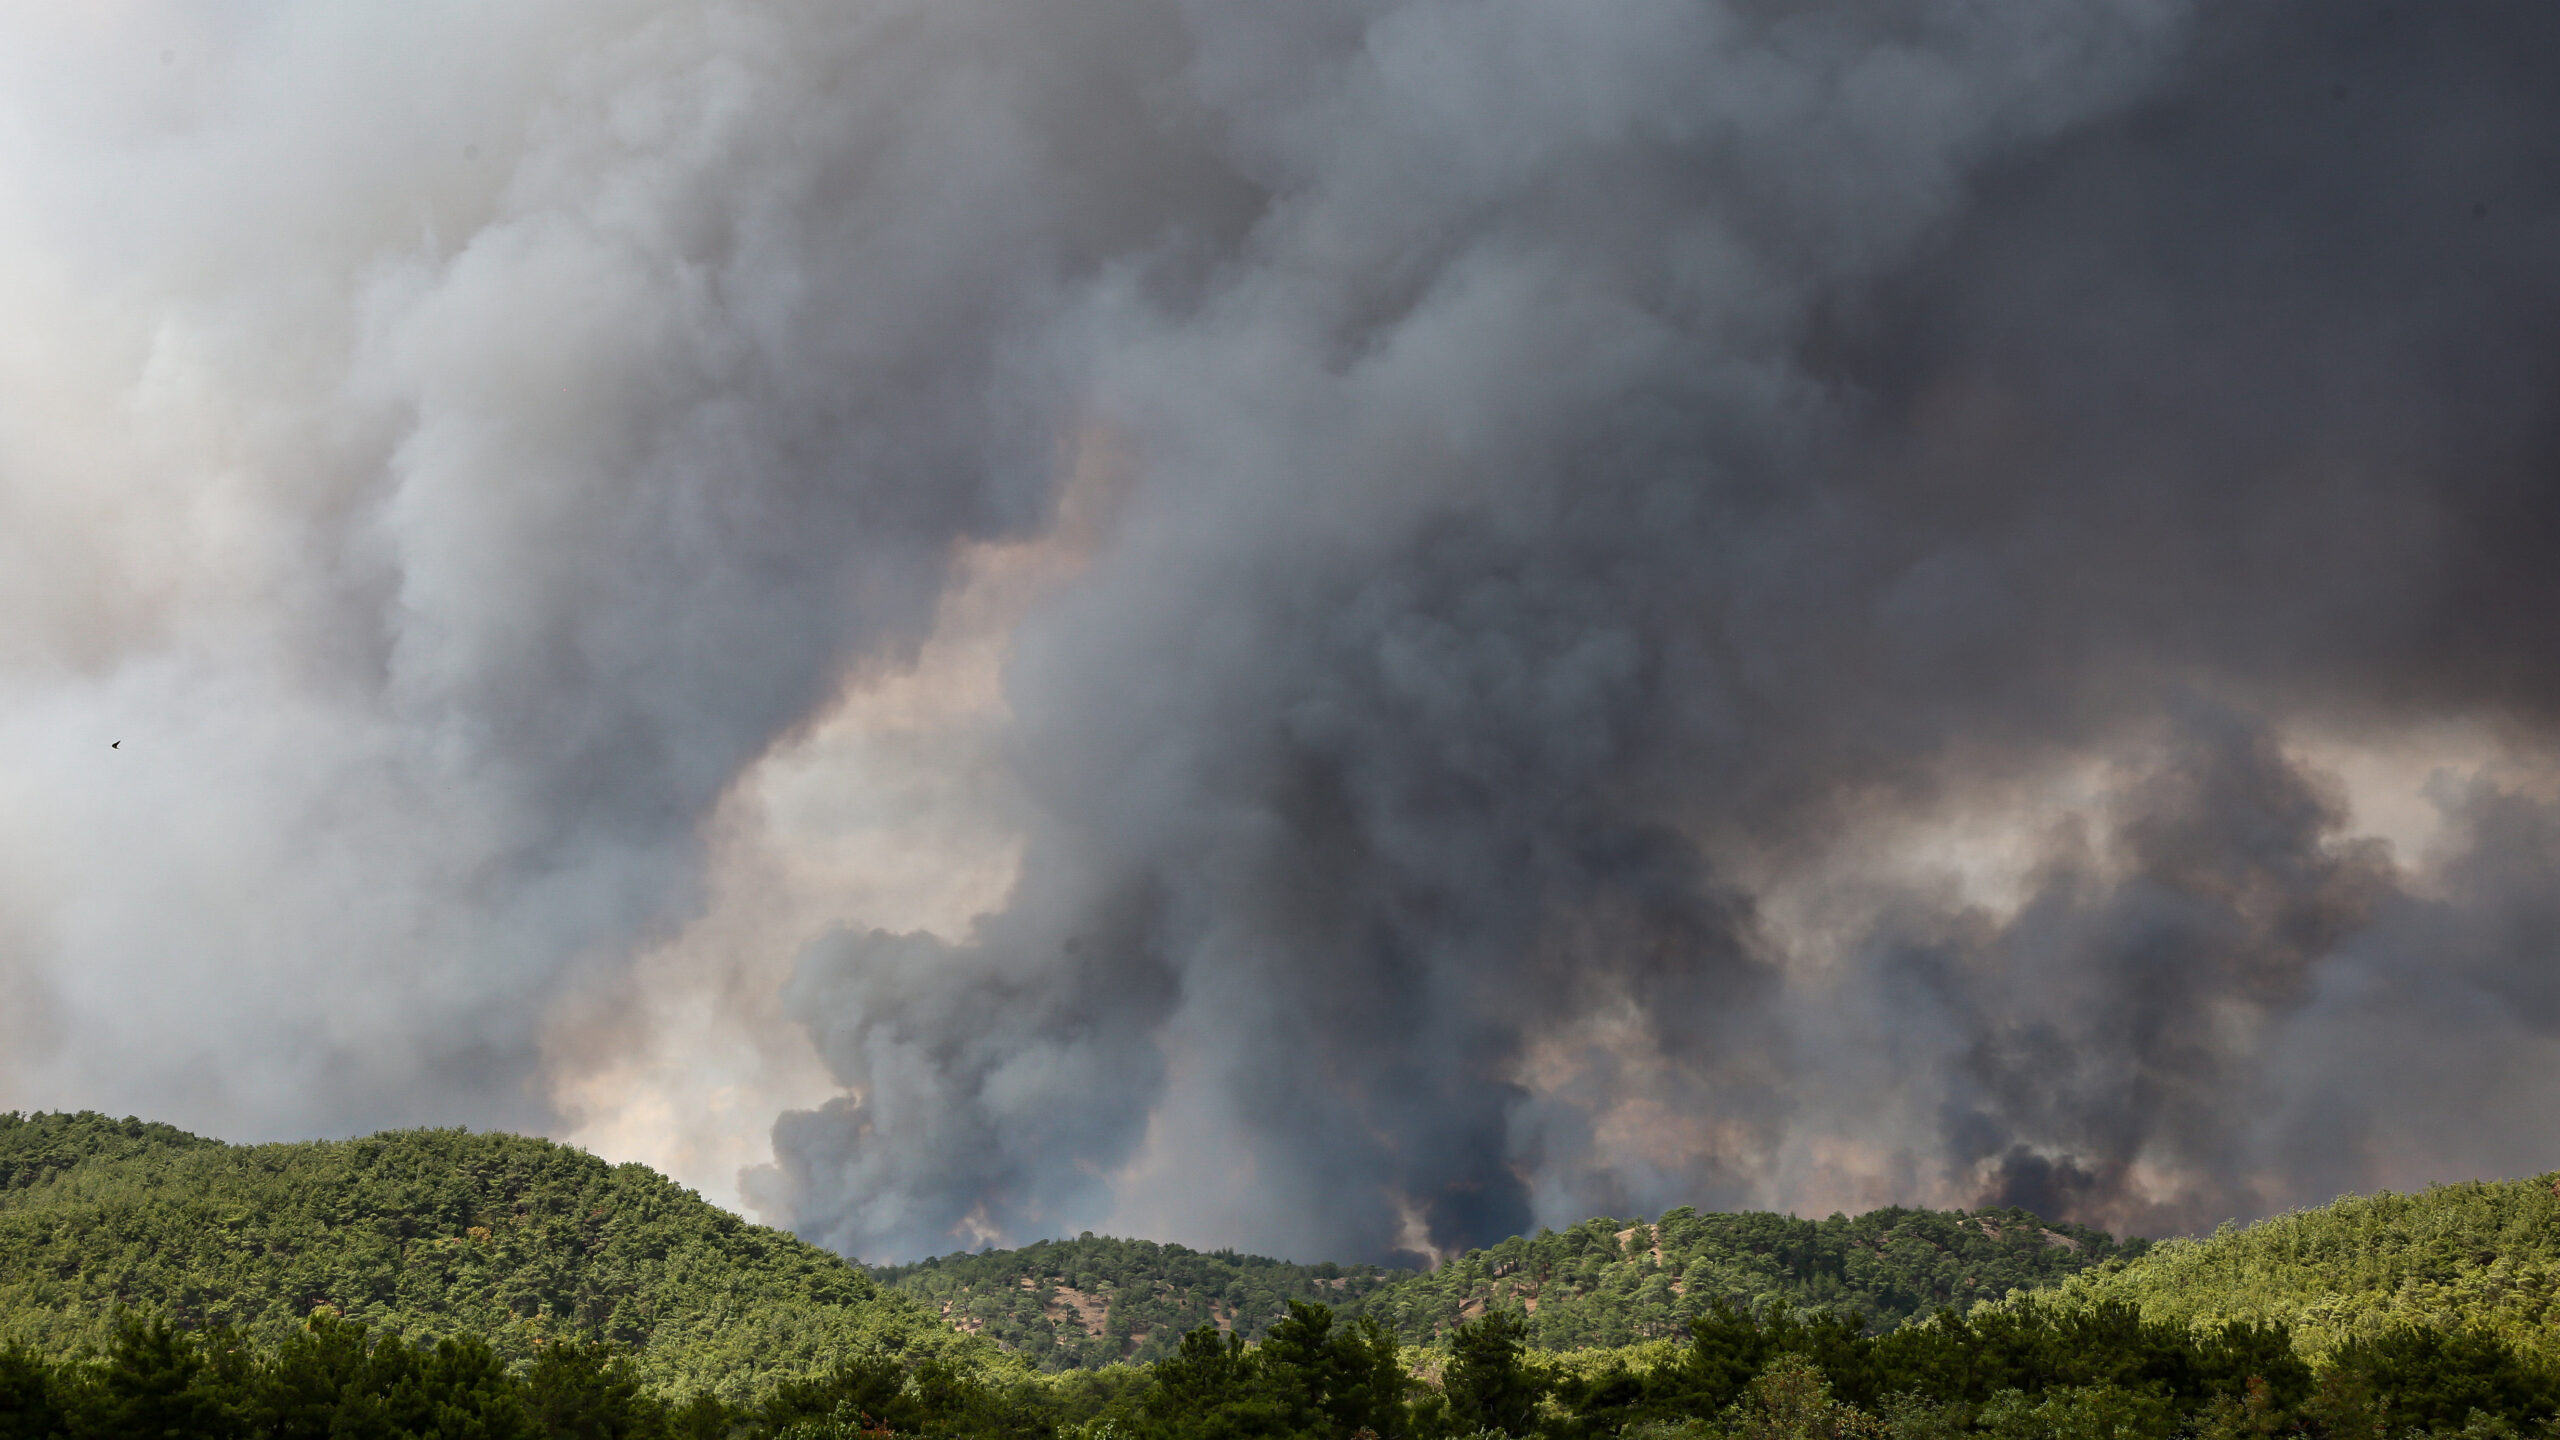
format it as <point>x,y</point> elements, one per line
<point>115,744</point>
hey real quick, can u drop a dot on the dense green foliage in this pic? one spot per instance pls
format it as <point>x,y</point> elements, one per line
<point>1062,1304</point>
<point>335,1380</point>
<point>1951,1360</point>
<point>2482,1255</point>
<point>35,1148</point>
<point>1613,1282</point>
<point>441,1284</point>
<point>1311,1376</point>
<point>2028,1371</point>
<point>2052,1370</point>
<point>1603,1282</point>
<point>1487,1381</point>
<point>423,1235</point>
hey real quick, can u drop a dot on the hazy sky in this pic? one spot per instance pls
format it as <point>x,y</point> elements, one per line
<point>1337,627</point>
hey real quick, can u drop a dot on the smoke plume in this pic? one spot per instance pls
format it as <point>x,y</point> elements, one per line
<point>1344,628</point>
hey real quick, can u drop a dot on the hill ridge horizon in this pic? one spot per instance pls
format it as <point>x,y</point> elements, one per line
<point>438,1230</point>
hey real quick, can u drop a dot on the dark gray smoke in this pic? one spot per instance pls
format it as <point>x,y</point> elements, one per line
<point>1632,455</point>
<point>1675,601</point>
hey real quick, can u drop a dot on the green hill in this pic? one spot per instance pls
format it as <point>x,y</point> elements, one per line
<point>1084,1302</point>
<point>1617,1282</point>
<point>2482,1255</point>
<point>2389,1317</point>
<point>35,1148</point>
<point>423,1234</point>
<point>1068,1304</point>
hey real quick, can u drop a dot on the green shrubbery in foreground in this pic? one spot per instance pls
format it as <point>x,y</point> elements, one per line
<point>339,1381</point>
<point>2037,1371</point>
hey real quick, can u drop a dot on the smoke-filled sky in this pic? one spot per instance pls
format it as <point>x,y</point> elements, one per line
<point>1341,627</point>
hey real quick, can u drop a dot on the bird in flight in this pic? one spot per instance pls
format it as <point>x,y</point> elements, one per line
<point>115,744</point>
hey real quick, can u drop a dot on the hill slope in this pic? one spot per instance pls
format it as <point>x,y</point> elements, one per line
<point>423,1234</point>
<point>35,1148</point>
<point>1617,1282</point>
<point>1067,1304</point>
<point>1064,1304</point>
<point>2481,1255</point>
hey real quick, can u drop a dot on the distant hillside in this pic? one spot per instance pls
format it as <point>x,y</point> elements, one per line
<point>1618,1282</point>
<point>1065,1304</point>
<point>424,1234</point>
<point>2480,1255</point>
<point>1069,1304</point>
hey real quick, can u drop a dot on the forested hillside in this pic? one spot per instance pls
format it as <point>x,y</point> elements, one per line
<point>1084,1302</point>
<point>35,1148</point>
<point>438,1283</point>
<point>421,1234</point>
<point>2482,1255</point>
<point>1615,1282</point>
<point>1065,1304</point>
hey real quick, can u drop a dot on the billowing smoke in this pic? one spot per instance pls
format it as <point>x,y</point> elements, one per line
<point>1538,609</point>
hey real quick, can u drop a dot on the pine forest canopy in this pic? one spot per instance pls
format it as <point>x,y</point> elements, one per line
<point>1065,1304</point>
<point>1603,1282</point>
<point>536,1291</point>
<point>2480,1255</point>
<point>1616,1282</point>
<point>422,1234</point>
